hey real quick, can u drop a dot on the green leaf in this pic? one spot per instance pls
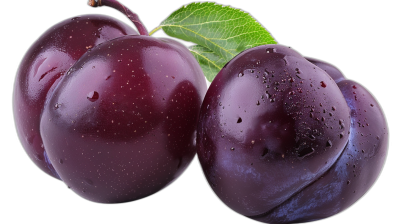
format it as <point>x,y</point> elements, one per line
<point>221,31</point>
<point>210,62</point>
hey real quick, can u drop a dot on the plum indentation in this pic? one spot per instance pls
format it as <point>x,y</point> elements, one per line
<point>44,74</point>
<point>239,120</point>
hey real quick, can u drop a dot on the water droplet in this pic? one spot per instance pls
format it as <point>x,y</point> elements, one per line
<point>298,71</point>
<point>341,123</point>
<point>372,105</point>
<point>348,182</point>
<point>271,50</point>
<point>305,152</point>
<point>329,143</point>
<point>265,152</point>
<point>57,105</point>
<point>61,161</point>
<point>258,62</point>
<point>285,60</point>
<point>323,84</point>
<point>38,156</point>
<point>333,108</point>
<point>30,139</point>
<point>341,135</point>
<point>232,149</point>
<point>240,75</point>
<point>93,96</point>
<point>88,181</point>
<point>258,103</point>
<point>354,87</point>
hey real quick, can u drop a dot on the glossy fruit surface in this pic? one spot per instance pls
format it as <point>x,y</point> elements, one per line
<point>111,113</point>
<point>44,65</point>
<point>121,125</point>
<point>279,141</point>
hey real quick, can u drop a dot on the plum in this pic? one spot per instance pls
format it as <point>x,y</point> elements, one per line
<point>44,65</point>
<point>114,119</point>
<point>279,141</point>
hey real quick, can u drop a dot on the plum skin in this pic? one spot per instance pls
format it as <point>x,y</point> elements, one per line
<point>45,64</point>
<point>244,164</point>
<point>147,133</point>
<point>121,124</point>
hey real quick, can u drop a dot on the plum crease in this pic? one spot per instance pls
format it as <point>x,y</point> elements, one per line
<point>300,189</point>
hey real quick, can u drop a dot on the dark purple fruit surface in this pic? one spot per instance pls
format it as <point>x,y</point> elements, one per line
<point>280,141</point>
<point>44,65</point>
<point>345,41</point>
<point>121,125</point>
<point>111,113</point>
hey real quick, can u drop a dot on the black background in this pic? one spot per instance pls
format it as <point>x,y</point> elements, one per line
<point>359,37</point>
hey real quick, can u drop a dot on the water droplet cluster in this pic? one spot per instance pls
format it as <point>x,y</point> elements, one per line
<point>276,121</point>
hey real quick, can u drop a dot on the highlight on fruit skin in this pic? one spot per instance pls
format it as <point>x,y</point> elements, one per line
<point>111,113</point>
<point>45,63</point>
<point>280,141</point>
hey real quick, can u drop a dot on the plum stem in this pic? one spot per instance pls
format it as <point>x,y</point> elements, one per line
<point>118,6</point>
